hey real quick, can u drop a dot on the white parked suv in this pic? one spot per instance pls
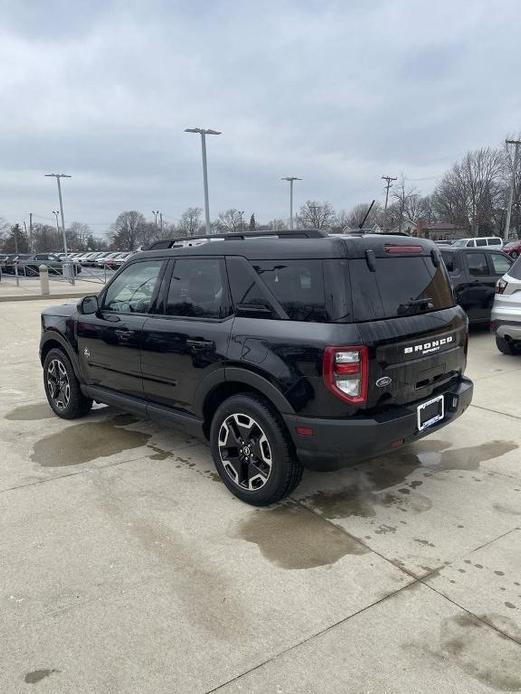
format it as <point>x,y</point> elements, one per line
<point>480,242</point>
<point>506,311</point>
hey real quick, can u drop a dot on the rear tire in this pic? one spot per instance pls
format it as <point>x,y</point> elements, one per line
<point>514,255</point>
<point>62,388</point>
<point>252,451</point>
<point>505,346</point>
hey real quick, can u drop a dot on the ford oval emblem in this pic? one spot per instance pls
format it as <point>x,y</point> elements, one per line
<point>384,381</point>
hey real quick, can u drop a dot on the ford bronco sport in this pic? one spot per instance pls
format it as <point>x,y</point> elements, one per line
<point>282,352</point>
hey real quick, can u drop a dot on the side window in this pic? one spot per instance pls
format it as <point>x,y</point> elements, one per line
<point>494,242</point>
<point>481,242</point>
<point>477,264</point>
<point>500,264</point>
<point>298,285</point>
<point>471,243</point>
<point>450,261</point>
<point>198,288</point>
<point>133,289</point>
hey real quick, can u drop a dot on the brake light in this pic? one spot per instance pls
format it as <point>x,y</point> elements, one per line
<point>404,250</point>
<point>345,373</point>
<point>501,285</point>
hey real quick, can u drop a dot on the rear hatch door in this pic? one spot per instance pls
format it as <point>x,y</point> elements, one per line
<point>405,313</point>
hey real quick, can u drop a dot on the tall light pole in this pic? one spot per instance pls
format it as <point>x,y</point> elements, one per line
<point>203,133</point>
<point>56,213</point>
<point>155,213</point>
<point>516,144</point>
<point>58,177</point>
<point>389,183</point>
<point>291,179</point>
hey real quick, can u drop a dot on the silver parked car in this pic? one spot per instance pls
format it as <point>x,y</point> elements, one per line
<point>506,311</point>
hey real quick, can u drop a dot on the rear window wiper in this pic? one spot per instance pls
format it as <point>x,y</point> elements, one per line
<point>405,309</point>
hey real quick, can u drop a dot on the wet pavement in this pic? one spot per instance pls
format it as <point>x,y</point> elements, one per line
<point>126,566</point>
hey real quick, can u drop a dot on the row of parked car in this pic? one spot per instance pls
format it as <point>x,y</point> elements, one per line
<point>28,263</point>
<point>512,248</point>
<point>110,259</point>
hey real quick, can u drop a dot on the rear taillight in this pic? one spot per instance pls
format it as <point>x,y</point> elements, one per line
<point>345,372</point>
<point>501,285</point>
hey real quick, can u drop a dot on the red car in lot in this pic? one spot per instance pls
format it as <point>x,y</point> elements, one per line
<point>513,249</point>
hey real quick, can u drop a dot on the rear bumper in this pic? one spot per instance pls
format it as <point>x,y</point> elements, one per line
<point>506,319</point>
<point>337,443</point>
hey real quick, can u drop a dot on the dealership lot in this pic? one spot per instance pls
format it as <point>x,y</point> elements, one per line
<point>127,566</point>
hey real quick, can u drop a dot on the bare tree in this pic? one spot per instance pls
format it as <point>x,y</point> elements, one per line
<point>130,231</point>
<point>78,234</point>
<point>190,223</point>
<point>472,190</point>
<point>229,221</point>
<point>316,215</point>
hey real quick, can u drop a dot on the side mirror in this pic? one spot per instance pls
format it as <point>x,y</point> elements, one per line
<point>88,305</point>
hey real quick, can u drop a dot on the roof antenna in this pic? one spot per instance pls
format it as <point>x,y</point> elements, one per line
<point>366,215</point>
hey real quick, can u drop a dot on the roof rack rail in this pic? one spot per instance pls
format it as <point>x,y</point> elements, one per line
<point>235,236</point>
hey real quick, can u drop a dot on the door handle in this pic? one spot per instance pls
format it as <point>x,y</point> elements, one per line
<point>123,332</point>
<point>199,344</point>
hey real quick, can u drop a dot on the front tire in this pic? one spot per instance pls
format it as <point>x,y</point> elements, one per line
<point>62,388</point>
<point>252,451</point>
<point>505,346</point>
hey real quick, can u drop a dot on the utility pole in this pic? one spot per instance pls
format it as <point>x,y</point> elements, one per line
<point>203,133</point>
<point>31,245</point>
<point>58,178</point>
<point>389,183</point>
<point>155,213</point>
<point>516,144</point>
<point>161,222</point>
<point>291,180</point>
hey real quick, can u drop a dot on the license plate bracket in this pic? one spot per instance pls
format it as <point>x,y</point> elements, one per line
<point>430,412</point>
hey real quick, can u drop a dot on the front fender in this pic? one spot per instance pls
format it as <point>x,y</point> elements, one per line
<point>55,337</point>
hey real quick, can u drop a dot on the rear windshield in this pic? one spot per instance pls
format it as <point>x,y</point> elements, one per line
<point>399,287</point>
<point>515,269</point>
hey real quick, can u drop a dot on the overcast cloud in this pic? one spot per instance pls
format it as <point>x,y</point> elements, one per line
<point>337,93</point>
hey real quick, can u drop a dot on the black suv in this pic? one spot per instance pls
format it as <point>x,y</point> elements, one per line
<point>474,273</point>
<point>281,352</point>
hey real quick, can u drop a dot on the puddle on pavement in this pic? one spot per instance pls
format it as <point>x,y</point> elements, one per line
<point>82,443</point>
<point>481,652</point>
<point>370,482</point>
<point>36,676</point>
<point>32,412</point>
<point>291,537</point>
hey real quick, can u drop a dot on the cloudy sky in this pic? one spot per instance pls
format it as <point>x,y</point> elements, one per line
<point>336,92</point>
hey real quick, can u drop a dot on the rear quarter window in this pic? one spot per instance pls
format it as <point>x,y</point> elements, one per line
<point>515,270</point>
<point>298,286</point>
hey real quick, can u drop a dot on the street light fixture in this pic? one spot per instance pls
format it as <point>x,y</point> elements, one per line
<point>291,179</point>
<point>203,133</point>
<point>56,213</point>
<point>155,213</point>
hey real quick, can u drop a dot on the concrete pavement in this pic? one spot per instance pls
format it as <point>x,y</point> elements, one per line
<point>126,566</point>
